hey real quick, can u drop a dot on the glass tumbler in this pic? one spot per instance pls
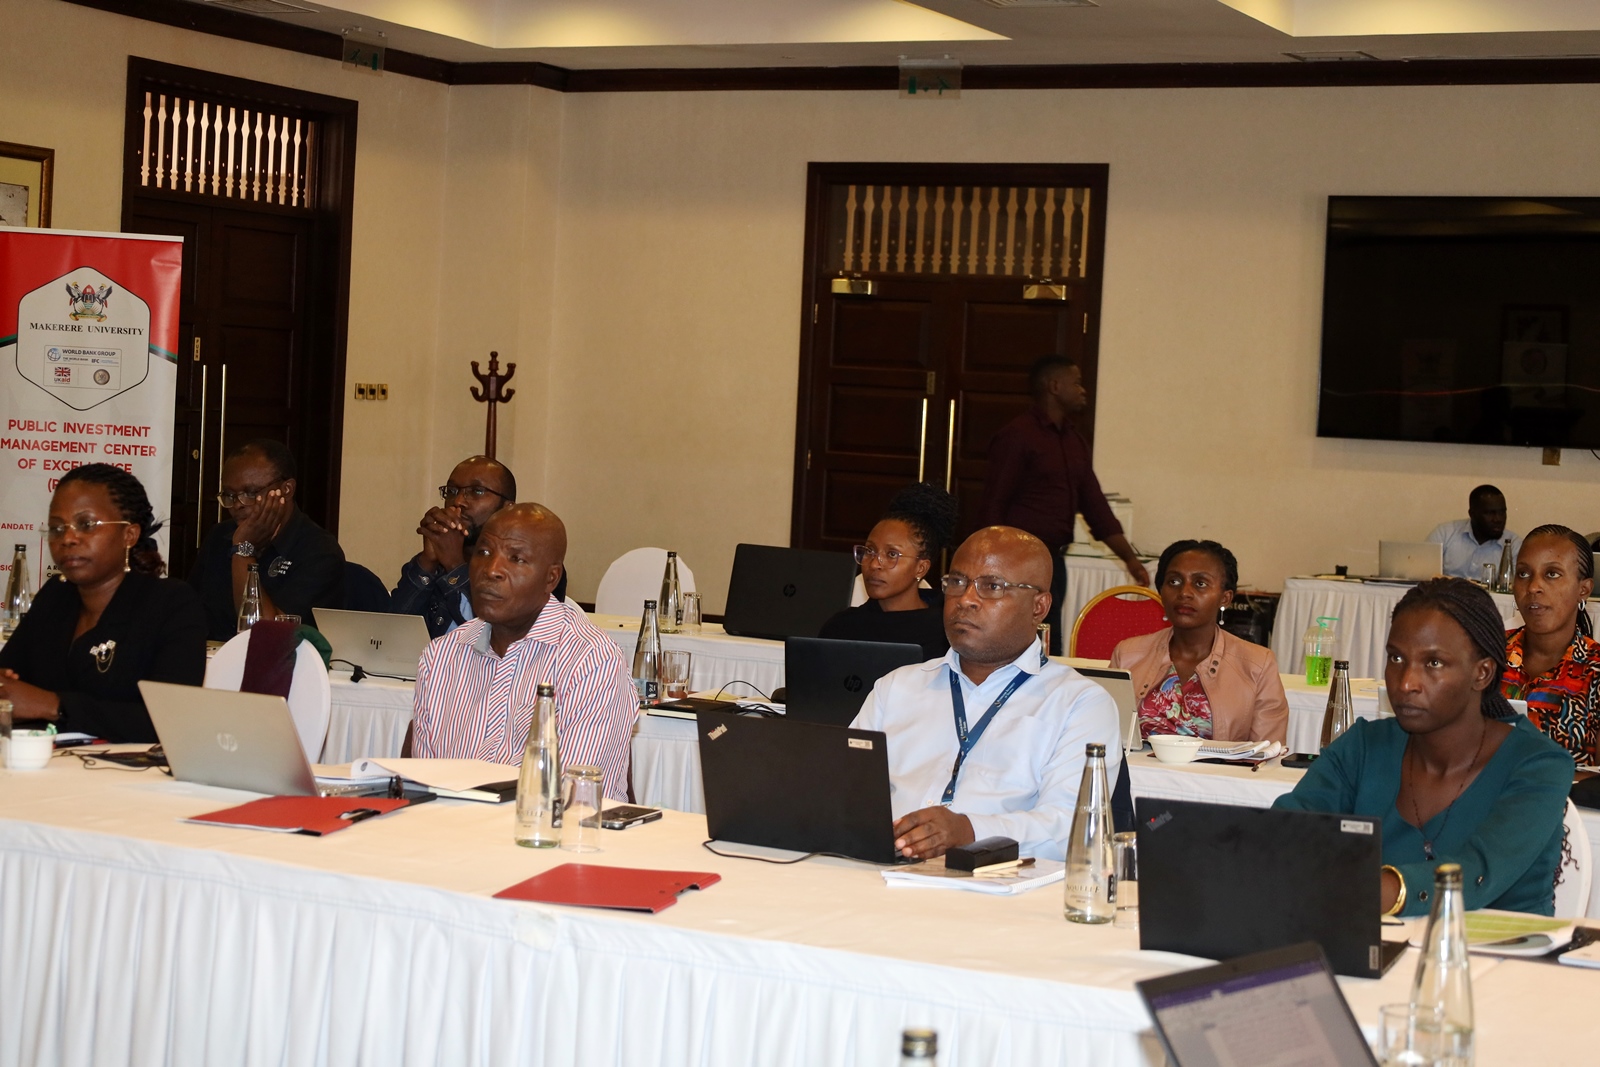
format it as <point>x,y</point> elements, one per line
<point>691,614</point>
<point>675,674</point>
<point>1125,890</point>
<point>581,796</point>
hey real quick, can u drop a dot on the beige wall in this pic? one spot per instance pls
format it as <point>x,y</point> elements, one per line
<point>677,323</point>
<point>638,255</point>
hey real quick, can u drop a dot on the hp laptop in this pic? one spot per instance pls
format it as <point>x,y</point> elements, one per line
<point>786,592</point>
<point>801,786</point>
<point>382,644</point>
<point>1409,561</point>
<point>1119,683</point>
<point>236,740</point>
<point>1241,1011</point>
<point>1218,881</point>
<point>829,680</point>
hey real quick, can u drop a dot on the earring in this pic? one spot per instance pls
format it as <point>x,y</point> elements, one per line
<point>127,553</point>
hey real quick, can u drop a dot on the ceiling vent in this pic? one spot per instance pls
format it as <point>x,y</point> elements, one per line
<point>263,7</point>
<point>1329,57</point>
<point>1040,3</point>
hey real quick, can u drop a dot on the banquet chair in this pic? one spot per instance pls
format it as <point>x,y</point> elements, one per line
<point>1575,876</point>
<point>310,696</point>
<point>635,577</point>
<point>1118,613</point>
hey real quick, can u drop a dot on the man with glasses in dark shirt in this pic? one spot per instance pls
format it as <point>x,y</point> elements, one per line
<point>301,566</point>
<point>1039,478</point>
<point>434,583</point>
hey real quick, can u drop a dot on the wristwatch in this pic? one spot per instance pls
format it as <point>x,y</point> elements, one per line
<point>244,548</point>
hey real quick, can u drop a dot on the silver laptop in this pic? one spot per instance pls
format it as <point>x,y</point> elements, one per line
<point>1119,683</point>
<point>235,740</point>
<point>1405,561</point>
<point>389,646</point>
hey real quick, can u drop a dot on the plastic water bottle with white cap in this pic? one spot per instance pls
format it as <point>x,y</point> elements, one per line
<point>1321,637</point>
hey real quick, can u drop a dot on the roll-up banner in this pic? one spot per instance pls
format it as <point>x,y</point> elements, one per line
<point>88,369</point>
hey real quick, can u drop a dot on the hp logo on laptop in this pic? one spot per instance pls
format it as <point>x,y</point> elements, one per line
<point>852,683</point>
<point>789,589</point>
<point>375,642</point>
<point>227,742</point>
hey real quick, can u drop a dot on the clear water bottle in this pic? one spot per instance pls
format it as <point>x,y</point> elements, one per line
<point>669,609</point>
<point>1503,574</point>
<point>19,590</point>
<point>1340,714</point>
<point>250,604</point>
<point>1089,858</point>
<point>1321,636</point>
<point>1441,994</point>
<point>539,781</point>
<point>647,657</point>
<point>919,1048</point>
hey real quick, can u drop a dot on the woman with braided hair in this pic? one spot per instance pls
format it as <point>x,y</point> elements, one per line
<point>1456,775</point>
<point>1552,660</point>
<point>109,621</point>
<point>902,550</point>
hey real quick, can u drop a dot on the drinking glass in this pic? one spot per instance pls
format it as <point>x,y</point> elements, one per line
<point>1416,1036</point>
<point>1125,890</point>
<point>295,619</point>
<point>691,614</point>
<point>675,674</point>
<point>581,795</point>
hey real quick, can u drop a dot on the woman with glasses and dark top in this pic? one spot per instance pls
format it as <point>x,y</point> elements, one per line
<point>1552,660</point>
<point>1194,677</point>
<point>901,551</point>
<point>1456,776</point>
<point>301,566</point>
<point>108,622</point>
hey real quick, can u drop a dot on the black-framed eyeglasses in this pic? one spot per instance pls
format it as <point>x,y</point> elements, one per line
<point>889,557</point>
<point>84,527</point>
<point>988,586</point>
<point>470,492</point>
<point>230,499</point>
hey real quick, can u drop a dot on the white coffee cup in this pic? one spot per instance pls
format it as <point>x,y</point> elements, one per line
<point>30,750</point>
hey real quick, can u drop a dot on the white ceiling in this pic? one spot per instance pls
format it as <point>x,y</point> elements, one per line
<point>598,34</point>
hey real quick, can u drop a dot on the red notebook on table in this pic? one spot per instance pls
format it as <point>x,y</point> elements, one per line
<point>315,816</point>
<point>590,886</point>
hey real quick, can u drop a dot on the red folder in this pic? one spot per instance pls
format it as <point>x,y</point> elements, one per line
<point>590,886</point>
<point>301,815</point>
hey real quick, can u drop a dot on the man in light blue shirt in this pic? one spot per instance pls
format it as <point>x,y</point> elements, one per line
<point>1025,720</point>
<point>1479,538</point>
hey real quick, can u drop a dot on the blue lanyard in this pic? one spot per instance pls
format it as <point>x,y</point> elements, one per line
<point>968,738</point>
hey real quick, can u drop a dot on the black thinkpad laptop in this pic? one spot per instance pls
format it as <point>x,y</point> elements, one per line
<point>801,786</point>
<point>786,592</point>
<point>1218,881</point>
<point>829,680</point>
<point>1240,1012</point>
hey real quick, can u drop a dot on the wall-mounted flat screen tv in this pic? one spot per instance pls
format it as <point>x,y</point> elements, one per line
<point>1462,319</point>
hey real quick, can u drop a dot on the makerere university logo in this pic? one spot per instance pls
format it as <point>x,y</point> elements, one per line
<point>89,302</point>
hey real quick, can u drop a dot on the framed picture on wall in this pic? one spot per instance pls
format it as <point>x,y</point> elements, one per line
<point>25,184</point>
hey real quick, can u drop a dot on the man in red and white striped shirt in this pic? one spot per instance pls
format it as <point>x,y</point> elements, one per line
<point>477,685</point>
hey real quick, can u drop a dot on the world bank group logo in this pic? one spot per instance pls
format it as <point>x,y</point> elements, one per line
<point>54,355</point>
<point>88,349</point>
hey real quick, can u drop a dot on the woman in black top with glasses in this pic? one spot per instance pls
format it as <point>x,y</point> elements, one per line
<point>108,622</point>
<point>902,550</point>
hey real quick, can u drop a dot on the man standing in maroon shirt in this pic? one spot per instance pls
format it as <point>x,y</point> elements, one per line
<point>1039,478</point>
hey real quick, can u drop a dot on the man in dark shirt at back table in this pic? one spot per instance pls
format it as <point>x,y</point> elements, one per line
<point>300,564</point>
<point>1039,478</point>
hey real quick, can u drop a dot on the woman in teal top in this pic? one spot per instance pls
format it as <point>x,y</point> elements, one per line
<point>1456,776</point>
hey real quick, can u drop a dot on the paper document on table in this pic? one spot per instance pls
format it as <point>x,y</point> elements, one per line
<point>456,775</point>
<point>933,875</point>
<point>342,774</point>
<point>1240,751</point>
<point>1504,933</point>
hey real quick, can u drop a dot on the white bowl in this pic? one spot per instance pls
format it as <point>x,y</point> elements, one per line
<point>30,750</point>
<point>1175,748</point>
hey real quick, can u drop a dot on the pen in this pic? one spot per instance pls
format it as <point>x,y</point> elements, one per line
<point>358,814</point>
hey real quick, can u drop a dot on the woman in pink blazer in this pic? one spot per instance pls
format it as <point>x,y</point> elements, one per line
<point>1194,677</point>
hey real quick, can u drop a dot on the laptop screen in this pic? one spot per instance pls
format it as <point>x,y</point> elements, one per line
<point>1286,1013</point>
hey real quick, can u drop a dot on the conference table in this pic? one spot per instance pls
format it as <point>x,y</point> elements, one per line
<point>130,936</point>
<point>1363,609</point>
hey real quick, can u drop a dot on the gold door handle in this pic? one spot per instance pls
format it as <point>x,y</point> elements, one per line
<point>922,442</point>
<point>200,471</point>
<point>950,448</point>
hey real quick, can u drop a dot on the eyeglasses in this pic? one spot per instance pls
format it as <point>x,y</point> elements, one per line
<point>245,496</point>
<point>988,586</point>
<point>471,492</point>
<point>888,557</point>
<point>84,527</point>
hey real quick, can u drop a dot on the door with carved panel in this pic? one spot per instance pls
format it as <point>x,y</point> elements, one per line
<point>925,305</point>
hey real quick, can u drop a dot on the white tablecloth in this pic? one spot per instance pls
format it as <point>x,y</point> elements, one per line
<point>717,658</point>
<point>1363,610</point>
<point>368,718</point>
<point>131,937</point>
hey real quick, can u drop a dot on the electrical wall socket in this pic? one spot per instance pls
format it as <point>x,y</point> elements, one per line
<point>372,391</point>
